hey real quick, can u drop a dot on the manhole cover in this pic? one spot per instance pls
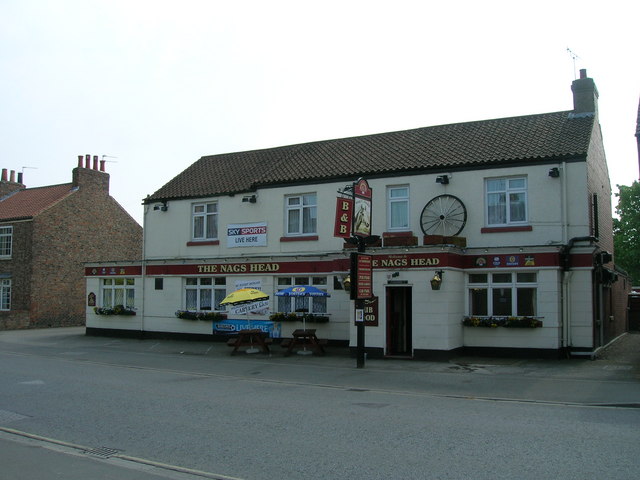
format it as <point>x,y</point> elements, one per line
<point>102,452</point>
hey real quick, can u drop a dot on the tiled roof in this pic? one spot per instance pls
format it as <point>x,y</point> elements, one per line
<point>460,145</point>
<point>29,202</point>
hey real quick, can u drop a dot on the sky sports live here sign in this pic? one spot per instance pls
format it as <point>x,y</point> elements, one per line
<point>247,235</point>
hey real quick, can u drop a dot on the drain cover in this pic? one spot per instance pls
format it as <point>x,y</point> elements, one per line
<point>102,452</point>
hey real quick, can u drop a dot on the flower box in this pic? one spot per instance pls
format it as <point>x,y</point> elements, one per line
<point>205,316</point>
<point>506,322</point>
<point>117,310</point>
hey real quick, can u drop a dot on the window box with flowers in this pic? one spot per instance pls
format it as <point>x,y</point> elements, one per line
<point>507,322</point>
<point>205,316</point>
<point>285,317</point>
<point>117,310</point>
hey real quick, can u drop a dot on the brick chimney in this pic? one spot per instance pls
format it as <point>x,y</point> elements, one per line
<point>585,94</point>
<point>90,174</point>
<point>8,183</point>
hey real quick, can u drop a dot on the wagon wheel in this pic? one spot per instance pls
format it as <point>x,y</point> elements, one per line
<point>443,215</point>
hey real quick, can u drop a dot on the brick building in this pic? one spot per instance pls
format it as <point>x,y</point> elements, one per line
<point>47,234</point>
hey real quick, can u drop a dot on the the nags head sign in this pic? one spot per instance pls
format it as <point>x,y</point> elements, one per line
<point>247,235</point>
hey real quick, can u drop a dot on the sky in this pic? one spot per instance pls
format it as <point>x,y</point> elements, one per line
<point>153,85</point>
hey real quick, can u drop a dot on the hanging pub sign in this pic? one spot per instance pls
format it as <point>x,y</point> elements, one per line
<point>362,209</point>
<point>344,217</point>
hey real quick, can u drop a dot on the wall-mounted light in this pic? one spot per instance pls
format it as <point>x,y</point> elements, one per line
<point>554,172</point>
<point>346,283</point>
<point>250,198</point>
<point>163,207</point>
<point>436,281</point>
<point>442,179</point>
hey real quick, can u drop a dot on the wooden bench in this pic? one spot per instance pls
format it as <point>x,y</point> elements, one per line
<point>250,338</point>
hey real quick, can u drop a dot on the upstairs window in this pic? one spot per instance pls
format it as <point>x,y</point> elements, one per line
<point>398,208</point>
<point>506,201</point>
<point>205,221</point>
<point>6,241</point>
<point>301,214</point>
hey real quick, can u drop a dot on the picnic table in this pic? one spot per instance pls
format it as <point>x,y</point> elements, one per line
<point>303,338</point>
<point>253,337</point>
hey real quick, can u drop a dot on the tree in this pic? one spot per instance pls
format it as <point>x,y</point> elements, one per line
<point>626,231</point>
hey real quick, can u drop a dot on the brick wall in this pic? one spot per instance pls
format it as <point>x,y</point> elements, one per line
<point>19,269</point>
<point>87,226</point>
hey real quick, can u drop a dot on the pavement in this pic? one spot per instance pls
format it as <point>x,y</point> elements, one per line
<point>29,457</point>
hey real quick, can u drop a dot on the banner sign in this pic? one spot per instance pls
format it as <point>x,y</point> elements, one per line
<point>362,209</point>
<point>231,326</point>
<point>247,235</point>
<point>344,217</point>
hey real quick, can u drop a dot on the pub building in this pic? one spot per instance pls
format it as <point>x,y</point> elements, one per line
<point>489,236</point>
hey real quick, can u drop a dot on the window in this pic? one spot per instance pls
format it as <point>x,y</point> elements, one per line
<point>205,221</point>
<point>503,294</point>
<point>5,294</point>
<point>118,291</point>
<point>204,294</point>
<point>398,208</point>
<point>6,239</point>
<point>302,304</point>
<point>301,214</point>
<point>506,201</point>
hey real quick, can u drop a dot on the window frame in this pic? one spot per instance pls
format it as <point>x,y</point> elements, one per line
<point>314,305</point>
<point>112,286</point>
<point>5,294</point>
<point>516,285</point>
<point>217,288</point>
<point>6,241</point>
<point>508,206</point>
<point>301,208</point>
<point>206,217</point>
<point>392,201</point>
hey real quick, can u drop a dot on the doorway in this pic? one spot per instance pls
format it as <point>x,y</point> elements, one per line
<point>398,316</point>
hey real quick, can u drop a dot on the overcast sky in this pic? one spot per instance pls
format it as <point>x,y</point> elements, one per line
<point>156,84</point>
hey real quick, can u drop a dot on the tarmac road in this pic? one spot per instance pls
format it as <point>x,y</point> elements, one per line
<point>610,381</point>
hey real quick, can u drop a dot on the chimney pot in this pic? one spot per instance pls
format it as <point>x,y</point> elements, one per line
<point>87,161</point>
<point>12,177</point>
<point>20,177</point>
<point>102,165</point>
<point>95,162</point>
<point>80,157</point>
<point>4,174</point>
<point>583,73</point>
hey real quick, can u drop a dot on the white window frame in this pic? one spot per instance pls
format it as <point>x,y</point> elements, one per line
<point>396,201</point>
<point>114,287</point>
<point>316,305</point>
<point>518,280</point>
<point>305,206</point>
<point>507,204</point>
<point>207,290</point>
<point>204,216</point>
<point>5,294</point>
<point>6,241</point>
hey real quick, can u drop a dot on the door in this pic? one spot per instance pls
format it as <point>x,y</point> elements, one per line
<point>399,321</point>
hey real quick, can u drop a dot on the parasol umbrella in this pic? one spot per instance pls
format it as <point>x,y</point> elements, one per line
<point>244,296</point>
<point>302,291</point>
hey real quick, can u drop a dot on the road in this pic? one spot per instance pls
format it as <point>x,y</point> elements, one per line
<point>192,406</point>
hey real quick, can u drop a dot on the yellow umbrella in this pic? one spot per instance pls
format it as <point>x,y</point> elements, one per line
<point>244,295</point>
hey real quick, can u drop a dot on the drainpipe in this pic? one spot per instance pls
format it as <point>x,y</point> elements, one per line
<point>565,251</point>
<point>144,266</point>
